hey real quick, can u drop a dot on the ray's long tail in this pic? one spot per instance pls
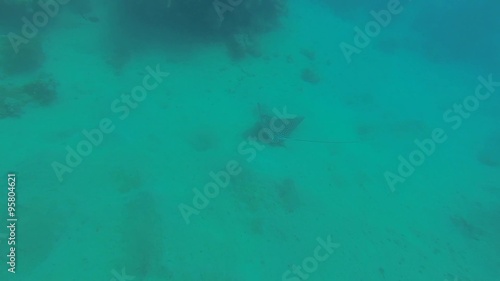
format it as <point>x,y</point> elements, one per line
<point>319,141</point>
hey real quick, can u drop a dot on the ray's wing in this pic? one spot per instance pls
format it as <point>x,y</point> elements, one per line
<point>290,125</point>
<point>279,137</point>
<point>293,123</point>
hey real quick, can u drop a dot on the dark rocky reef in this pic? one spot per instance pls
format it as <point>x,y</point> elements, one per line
<point>217,20</point>
<point>11,12</point>
<point>42,91</point>
<point>203,16</point>
<point>22,57</point>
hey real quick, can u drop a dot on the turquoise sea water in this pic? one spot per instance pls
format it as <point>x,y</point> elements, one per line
<point>174,184</point>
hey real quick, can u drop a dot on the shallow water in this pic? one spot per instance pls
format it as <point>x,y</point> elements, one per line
<point>129,140</point>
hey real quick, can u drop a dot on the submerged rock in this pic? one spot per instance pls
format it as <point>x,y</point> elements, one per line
<point>489,155</point>
<point>310,75</point>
